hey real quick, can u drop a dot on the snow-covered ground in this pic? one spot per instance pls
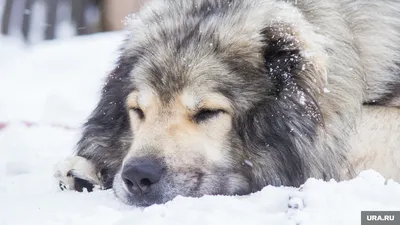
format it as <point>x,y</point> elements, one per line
<point>48,90</point>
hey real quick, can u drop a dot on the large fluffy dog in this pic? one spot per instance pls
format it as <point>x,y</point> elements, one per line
<point>228,96</point>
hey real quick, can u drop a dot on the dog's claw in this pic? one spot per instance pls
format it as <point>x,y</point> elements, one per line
<point>62,186</point>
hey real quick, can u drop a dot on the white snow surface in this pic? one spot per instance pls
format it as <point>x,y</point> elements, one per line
<point>52,86</point>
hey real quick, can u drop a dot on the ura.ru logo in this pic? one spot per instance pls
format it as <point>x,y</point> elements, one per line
<point>380,218</point>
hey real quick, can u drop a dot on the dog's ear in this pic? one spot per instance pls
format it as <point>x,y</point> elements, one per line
<point>289,61</point>
<point>282,59</point>
<point>294,74</point>
<point>284,127</point>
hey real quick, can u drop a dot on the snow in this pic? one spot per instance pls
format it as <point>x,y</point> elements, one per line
<point>34,88</point>
<point>46,93</point>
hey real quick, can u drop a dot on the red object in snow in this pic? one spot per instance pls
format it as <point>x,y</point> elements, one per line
<point>3,125</point>
<point>28,124</point>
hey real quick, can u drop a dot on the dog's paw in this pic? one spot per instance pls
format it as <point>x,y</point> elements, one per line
<point>77,173</point>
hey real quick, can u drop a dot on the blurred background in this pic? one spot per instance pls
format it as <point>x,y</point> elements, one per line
<point>39,20</point>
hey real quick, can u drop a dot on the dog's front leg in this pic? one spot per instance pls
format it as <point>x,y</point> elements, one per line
<point>77,173</point>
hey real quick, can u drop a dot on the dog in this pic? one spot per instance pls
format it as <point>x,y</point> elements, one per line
<point>225,97</point>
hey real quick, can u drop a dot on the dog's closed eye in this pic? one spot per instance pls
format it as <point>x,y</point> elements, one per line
<point>206,114</point>
<point>138,112</point>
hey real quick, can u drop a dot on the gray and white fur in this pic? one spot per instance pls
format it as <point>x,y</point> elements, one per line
<point>229,96</point>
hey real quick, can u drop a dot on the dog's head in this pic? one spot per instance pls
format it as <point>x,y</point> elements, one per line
<point>220,99</point>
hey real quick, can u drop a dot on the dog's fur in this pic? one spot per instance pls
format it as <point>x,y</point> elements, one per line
<point>286,83</point>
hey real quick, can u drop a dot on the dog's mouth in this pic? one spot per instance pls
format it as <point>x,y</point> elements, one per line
<point>190,184</point>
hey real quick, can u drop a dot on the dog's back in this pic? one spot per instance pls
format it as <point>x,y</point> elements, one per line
<point>364,37</point>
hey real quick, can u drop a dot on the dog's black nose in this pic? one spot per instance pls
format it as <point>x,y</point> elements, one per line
<point>139,175</point>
